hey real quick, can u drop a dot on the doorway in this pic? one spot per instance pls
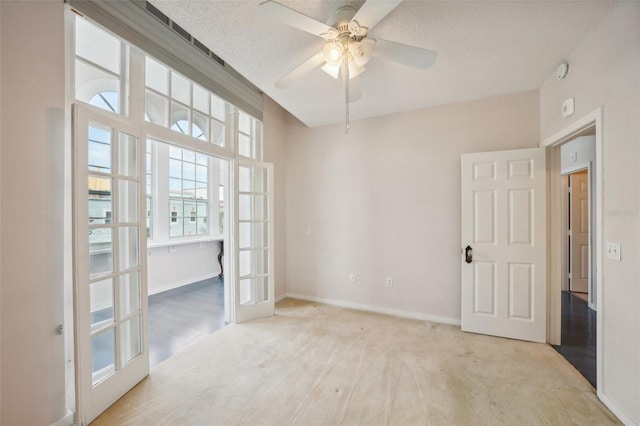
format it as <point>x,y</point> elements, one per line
<point>565,309</point>
<point>187,227</point>
<point>578,320</point>
<point>123,98</point>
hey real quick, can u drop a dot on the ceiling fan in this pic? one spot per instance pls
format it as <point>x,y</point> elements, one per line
<point>348,48</point>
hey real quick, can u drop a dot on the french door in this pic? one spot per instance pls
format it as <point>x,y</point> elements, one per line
<point>254,276</point>
<point>504,244</point>
<point>110,303</point>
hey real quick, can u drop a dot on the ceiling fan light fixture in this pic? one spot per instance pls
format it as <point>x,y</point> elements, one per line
<point>332,53</point>
<point>332,70</point>
<point>361,51</point>
<point>355,69</point>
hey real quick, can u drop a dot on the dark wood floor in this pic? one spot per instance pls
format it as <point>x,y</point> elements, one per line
<point>182,316</point>
<point>579,335</point>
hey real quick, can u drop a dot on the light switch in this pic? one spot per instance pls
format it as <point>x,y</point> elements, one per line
<point>613,251</point>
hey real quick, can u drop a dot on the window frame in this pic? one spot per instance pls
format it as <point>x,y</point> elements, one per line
<point>131,82</point>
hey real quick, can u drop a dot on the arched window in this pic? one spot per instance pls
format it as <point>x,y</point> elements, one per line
<point>182,126</point>
<point>99,67</point>
<point>105,100</point>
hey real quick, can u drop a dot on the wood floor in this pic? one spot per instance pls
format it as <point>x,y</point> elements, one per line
<point>579,335</point>
<point>180,317</point>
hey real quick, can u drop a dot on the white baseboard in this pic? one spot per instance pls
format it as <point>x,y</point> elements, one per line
<point>621,415</point>
<point>376,309</point>
<point>66,420</point>
<point>281,297</point>
<point>171,286</point>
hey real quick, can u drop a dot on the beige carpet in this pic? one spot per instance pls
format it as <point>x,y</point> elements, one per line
<point>314,364</point>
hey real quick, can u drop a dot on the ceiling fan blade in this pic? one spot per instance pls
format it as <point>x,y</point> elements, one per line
<point>300,70</point>
<point>293,18</point>
<point>374,11</point>
<point>404,54</point>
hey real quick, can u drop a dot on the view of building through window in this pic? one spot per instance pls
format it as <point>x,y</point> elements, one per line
<point>188,192</point>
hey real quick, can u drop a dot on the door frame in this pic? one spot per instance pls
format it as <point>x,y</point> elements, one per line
<point>554,230</point>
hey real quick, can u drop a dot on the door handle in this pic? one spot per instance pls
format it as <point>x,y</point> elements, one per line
<point>468,254</point>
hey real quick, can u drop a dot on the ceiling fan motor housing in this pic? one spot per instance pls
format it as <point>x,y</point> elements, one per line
<point>341,16</point>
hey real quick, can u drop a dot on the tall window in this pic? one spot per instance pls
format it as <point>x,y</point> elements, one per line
<point>185,190</point>
<point>249,136</point>
<point>188,193</point>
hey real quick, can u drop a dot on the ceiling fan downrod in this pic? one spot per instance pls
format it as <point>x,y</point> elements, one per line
<point>345,70</point>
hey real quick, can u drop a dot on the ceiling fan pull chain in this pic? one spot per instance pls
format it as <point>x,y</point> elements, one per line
<point>345,67</point>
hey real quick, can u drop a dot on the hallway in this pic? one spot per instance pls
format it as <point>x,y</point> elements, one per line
<point>579,335</point>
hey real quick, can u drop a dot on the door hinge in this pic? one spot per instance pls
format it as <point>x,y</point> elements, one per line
<point>569,275</point>
<point>569,232</point>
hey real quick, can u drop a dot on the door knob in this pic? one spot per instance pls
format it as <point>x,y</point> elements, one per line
<point>468,254</point>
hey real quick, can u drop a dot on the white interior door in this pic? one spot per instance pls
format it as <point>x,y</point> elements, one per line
<point>579,232</point>
<point>110,303</point>
<point>253,238</point>
<point>504,228</point>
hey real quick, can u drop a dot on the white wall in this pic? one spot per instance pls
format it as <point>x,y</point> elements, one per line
<point>189,263</point>
<point>605,72</point>
<point>384,201</point>
<point>33,102</point>
<point>275,136</point>
<point>0,204</point>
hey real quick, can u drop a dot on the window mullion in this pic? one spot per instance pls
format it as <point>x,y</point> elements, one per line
<point>161,181</point>
<point>135,92</point>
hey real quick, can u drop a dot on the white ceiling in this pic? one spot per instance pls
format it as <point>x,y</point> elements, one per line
<point>485,48</point>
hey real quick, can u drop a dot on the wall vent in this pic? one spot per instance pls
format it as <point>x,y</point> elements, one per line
<point>182,32</point>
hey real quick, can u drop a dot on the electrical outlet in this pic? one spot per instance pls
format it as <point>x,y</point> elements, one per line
<point>352,277</point>
<point>389,282</point>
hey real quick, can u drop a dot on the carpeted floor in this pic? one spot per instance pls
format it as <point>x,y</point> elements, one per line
<point>314,364</point>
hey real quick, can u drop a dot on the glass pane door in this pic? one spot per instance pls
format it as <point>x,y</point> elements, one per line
<point>110,271</point>
<point>254,240</point>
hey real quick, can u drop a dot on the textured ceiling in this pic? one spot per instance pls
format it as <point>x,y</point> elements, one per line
<point>485,48</point>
